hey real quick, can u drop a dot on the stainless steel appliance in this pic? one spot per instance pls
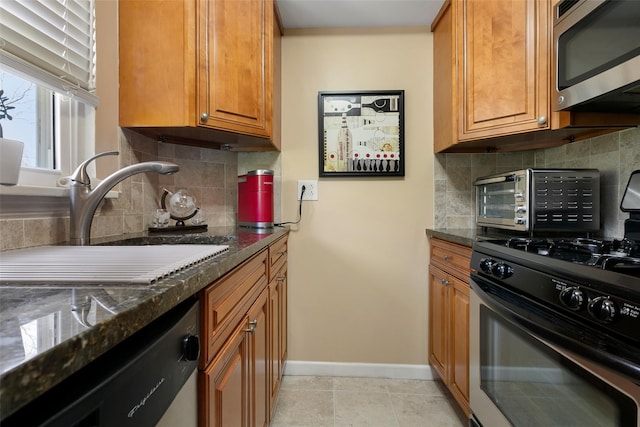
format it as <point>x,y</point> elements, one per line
<point>555,330</point>
<point>597,55</point>
<point>148,380</point>
<point>540,199</point>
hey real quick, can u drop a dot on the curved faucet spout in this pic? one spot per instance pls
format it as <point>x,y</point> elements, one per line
<point>84,201</point>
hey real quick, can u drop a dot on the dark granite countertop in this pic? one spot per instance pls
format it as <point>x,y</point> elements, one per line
<point>465,236</point>
<point>42,343</point>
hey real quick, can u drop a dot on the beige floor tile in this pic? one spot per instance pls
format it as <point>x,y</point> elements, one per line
<point>300,382</point>
<point>304,408</point>
<point>415,410</point>
<point>307,401</point>
<point>357,383</point>
<point>430,388</point>
<point>362,408</point>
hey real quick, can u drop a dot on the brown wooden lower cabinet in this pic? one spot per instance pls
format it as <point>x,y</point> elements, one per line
<point>449,317</point>
<point>244,329</point>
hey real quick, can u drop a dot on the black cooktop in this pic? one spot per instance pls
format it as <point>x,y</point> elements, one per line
<point>619,255</point>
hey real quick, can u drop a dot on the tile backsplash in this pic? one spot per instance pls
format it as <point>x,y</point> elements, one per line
<point>616,155</point>
<point>210,175</point>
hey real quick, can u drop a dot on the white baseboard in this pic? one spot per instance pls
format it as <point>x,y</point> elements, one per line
<point>371,370</point>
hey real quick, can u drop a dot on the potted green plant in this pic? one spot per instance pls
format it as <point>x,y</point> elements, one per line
<point>10,149</point>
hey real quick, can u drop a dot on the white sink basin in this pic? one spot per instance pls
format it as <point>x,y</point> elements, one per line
<point>100,264</point>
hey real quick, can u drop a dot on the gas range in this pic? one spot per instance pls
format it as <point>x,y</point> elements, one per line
<point>575,283</point>
<point>570,306</point>
<point>592,281</point>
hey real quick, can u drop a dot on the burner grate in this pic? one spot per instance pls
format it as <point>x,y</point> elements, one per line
<point>620,255</point>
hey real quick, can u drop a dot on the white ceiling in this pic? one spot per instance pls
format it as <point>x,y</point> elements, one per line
<point>357,13</point>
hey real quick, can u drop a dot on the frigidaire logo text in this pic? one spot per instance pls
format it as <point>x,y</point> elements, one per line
<point>133,410</point>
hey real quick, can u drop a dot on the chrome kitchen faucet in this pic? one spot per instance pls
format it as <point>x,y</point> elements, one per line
<point>84,200</point>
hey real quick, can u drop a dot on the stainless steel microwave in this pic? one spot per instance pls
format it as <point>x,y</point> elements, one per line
<point>540,199</point>
<point>597,55</point>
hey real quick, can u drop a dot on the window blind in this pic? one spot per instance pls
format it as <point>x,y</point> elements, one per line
<point>52,41</point>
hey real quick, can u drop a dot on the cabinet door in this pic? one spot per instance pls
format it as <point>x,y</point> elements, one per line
<point>224,389</point>
<point>438,322</point>
<point>459,370</point>
<point>503,68</point>
<point>259,361</point>
<point>284,283</point>
<point>274,350</point>
<point>235,54</point>
<point>278,328</point>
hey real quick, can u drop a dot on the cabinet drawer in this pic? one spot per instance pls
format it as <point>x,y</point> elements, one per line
<point>226,302</point>
<point>451,257</point>
<point>277,256</point>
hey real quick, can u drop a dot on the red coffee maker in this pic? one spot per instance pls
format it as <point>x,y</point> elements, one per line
<point>255,199</point>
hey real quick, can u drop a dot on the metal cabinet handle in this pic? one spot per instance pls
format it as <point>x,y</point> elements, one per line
<point>444,281</point>
<point>542,120</point>
<point>281,278</point>
<point>204,117</point>
<point>282,253</point>
<point>252,327</point>
<point>446,257</point>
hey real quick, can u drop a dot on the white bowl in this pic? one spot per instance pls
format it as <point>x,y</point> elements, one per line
<point>10,161</point>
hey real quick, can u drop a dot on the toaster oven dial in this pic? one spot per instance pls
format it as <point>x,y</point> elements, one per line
<point>572,298</point>
<point>521,210</point>
<point>520,221</point>
<point>602,309</point>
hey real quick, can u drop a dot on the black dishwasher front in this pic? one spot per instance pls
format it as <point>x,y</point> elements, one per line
<point>131,385</point>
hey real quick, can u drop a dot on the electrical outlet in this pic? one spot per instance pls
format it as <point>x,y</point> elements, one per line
<point>310,189</point>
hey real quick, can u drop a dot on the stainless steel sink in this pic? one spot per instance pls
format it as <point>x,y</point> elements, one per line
<point>182,239</point>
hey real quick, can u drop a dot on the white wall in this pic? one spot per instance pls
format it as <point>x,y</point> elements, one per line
<point>358,260</point>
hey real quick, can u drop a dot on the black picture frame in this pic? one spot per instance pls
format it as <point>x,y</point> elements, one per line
<point>361,133</point>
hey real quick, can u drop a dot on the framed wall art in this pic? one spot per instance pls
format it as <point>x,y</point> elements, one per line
<point>361,133</point>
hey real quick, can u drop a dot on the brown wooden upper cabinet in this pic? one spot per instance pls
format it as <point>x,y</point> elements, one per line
<point>201,72</point>
<point>493,79</point>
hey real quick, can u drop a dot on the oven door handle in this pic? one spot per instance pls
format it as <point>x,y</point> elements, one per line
<point>555,329</point>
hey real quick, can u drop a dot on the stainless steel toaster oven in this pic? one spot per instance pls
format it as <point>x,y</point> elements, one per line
<point>540,199</point>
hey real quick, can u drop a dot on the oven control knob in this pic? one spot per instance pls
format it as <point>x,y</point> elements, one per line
<point>502,270</point>
<point>191,347</point>
<point>603,309</point>
<point>486,265</point>
<point>572,297</point>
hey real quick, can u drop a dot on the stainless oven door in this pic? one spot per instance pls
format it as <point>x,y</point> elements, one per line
<point>518,378</point>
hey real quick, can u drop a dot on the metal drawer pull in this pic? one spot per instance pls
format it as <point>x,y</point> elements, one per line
<point>252,327</point>
<point>444,281</point>
<point>281,278</point>
<point>282,252</point>
<point>446,257</point>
